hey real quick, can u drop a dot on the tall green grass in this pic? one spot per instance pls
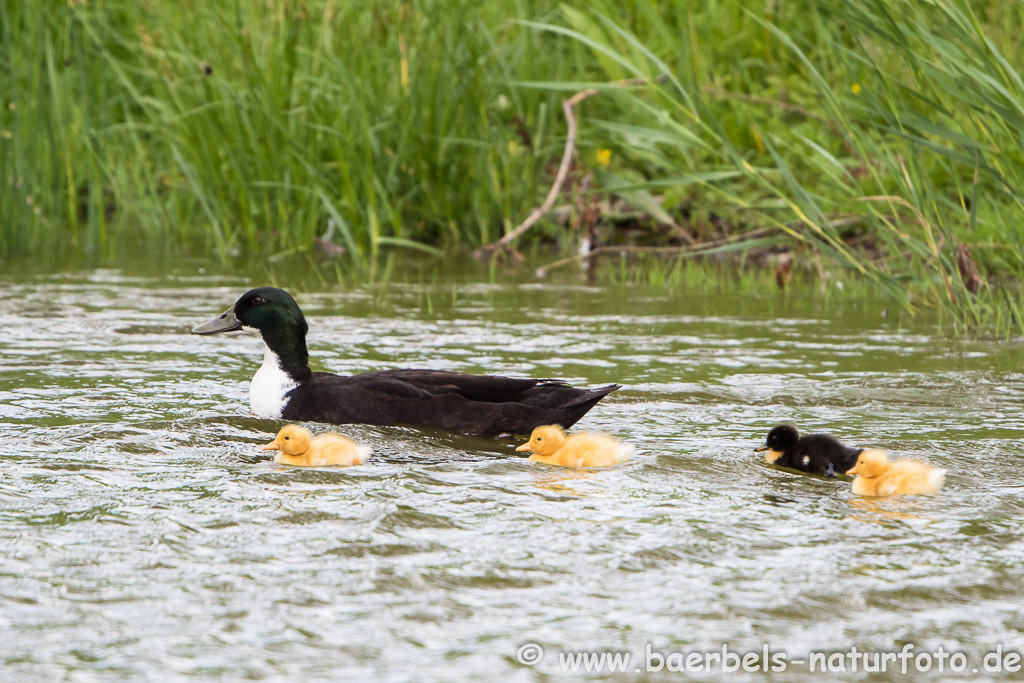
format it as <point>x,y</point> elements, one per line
<point>254,127</point>
<point>901,120</point>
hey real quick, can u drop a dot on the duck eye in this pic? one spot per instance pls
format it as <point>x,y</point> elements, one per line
<point>540,438</point>
<point>258,301</point>
<point>287,437</point>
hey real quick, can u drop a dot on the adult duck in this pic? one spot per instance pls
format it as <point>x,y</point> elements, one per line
<point>478,405</point>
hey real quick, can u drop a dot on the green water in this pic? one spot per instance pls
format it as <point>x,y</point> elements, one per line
<point>146,536</point>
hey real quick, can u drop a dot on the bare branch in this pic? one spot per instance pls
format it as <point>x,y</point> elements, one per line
<point>568,107</point>
<point>699,248</point>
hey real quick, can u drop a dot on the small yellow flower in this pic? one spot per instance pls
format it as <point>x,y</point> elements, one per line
<point>603,156</point>
<point>757,139</point>
<point>855,88</point>
<point>403,63</point>
<point>514,148</point>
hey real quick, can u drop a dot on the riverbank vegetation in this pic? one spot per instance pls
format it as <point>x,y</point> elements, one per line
<point>877,140</point>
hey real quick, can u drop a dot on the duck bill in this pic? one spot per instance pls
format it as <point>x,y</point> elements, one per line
<point>762,447</point>
<point>225,322</point>
<point>852,471</point>
<point>272,446</point>
<point>524,447</point>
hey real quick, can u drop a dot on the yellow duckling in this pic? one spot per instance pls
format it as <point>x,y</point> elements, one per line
<point>551,446</point>
<point>879,477</point>
<point>298,447</point>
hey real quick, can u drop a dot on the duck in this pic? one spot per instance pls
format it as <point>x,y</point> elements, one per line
<point>551,446</point>
<point>298,448</point>
<point>814,453</point>
<point>878,476</point>
<point>476,405</point>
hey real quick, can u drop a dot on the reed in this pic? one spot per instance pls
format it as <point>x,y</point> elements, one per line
<point>875,140</point>
<point>881,138</point>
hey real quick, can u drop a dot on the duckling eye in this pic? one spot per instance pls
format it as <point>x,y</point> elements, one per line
<point>540,438</point>
<point>287,437</point>
<point>258,301</point>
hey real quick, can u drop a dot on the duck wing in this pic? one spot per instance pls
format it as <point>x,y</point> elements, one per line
<point>818,454</point>
<point>478,405</point>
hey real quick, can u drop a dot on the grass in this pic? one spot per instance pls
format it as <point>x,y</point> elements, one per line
<point>873,139</point>
<point>907,124</point>
<point>247,127</point>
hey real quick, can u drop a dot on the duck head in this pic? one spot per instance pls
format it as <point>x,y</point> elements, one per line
<point>780,439</point>
<point>544,440</point>
<point>263,309</point>
<point>291,440</point>
<point>870,464</point>
<point>273,313</point>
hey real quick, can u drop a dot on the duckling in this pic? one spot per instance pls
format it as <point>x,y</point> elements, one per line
<point>298,447</point>
<point>551,446</point>
<point>815,453</point>
<point>879,477</point>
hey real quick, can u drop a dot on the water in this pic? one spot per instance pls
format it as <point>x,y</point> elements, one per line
<point>145,535</point>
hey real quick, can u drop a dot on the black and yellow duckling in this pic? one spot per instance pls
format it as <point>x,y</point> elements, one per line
<point>298,448</point>
<point>815,453</point>
<point>477,405</point>
<point>878,476</point>
<point>551,446</point>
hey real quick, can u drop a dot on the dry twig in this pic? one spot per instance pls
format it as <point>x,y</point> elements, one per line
<point>968,269</point>
<point>634,249</point>
<point>568,106</point>
<point>700,247</point>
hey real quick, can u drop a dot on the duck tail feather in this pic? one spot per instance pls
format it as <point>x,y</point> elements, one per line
<point>592,396</point>
<point>624,452</point>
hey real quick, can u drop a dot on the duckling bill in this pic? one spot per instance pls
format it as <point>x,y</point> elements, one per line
<point>298,448</point>
<point>814,453</point>
<point>477,405</point>
<point>551,446</point>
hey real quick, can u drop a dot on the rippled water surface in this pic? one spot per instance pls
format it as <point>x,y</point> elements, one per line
<point>145,535</point>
